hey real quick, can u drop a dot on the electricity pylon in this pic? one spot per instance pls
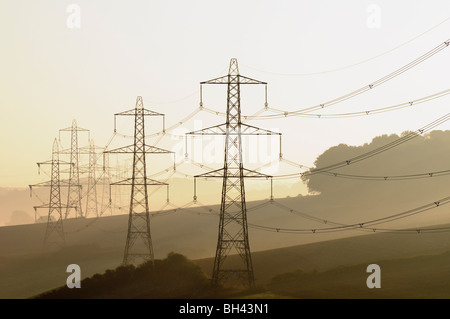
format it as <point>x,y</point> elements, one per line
<point>91,202</point>
<point>74,190</point>
<point>91,195</point>
<point>139,217</point>
<point>233,229</point>
<point>54,233</point>
<point>106,180</point>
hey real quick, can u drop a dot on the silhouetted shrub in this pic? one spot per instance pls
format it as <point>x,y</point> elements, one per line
<point>173,277</point>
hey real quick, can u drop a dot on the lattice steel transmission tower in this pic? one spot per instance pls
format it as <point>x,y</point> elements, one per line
<point>54,233</point>
<point>139,216</point>
<point>106,203</point>
<point>233,230</point>
<point>74,191</point>
<point>91,195</point>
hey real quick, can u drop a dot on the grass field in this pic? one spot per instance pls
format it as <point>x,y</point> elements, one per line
<point>412,266</point>
<point>419,277</point>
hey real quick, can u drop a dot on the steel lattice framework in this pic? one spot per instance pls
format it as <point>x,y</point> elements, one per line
<point>233,230</point>
<point>91,195</point>
<point>74,190</point>
<point>54,233</point>
<point>139,217</point>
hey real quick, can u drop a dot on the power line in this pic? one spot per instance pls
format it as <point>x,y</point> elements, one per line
<point>181,98</point>
<point>353,64</point>
<point>325,170</point>
<point>177,100</point>
<point>283,114</point>
<point>354,114</point>
<point>360,226</point>
<point>391,177</point>
<point>166,130</point>
<point>334,174</point>
<point>365,224</point>
<point>386,177</point>
<point>381,149</point>
<point>372,85</point>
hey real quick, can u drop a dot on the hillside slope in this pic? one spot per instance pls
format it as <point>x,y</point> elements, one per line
<point>418,277</point>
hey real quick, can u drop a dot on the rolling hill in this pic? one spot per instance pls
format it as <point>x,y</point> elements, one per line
<point>97,245</point>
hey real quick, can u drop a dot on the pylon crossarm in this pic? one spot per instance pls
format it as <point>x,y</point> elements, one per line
<point>130,149</point>
<point>85,150</point>
<point>74,128</point>
<point>218,173</point>
<point>52,206</point>
<point>154,149</point>
<point>254,174</point>
<point>49,162</point>
<point>63,183</point>
<point>237,79</point>
<point>138,181</point>
<point>246,80</point>
<point>121,150</point>
<point>220,129</point>
<point>140,112</point>
<point>144,112</point>
<point>253,130</point>
<point>219,80</point>
<point>212,173</point>
<point>69,151</point>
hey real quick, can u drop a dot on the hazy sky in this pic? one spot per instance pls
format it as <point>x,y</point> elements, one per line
<point>51,74</point>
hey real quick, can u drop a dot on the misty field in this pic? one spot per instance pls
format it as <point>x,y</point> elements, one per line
<point>411,266</point>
